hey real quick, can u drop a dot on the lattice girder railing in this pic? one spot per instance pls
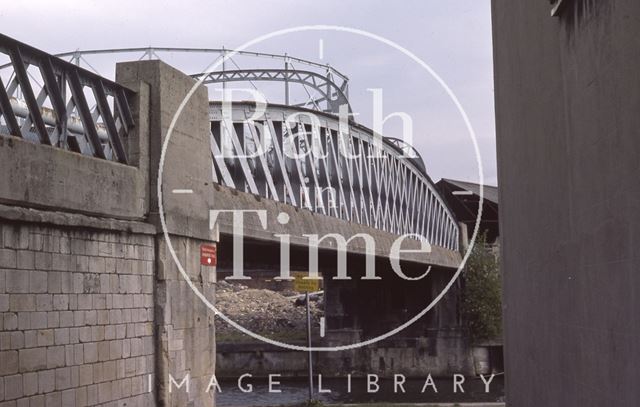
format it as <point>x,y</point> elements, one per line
<point>290,157</point>
<point>50,101</point>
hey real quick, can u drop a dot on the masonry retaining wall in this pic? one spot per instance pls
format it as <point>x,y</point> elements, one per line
<point>76,315</point>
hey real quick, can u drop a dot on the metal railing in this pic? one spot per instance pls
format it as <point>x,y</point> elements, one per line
<point>47,100</point>
<point>310,163</point>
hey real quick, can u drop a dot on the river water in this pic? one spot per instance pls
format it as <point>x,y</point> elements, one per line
<point>295,390</point>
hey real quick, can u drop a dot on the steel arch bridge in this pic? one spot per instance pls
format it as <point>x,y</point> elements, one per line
<point>308,158</point>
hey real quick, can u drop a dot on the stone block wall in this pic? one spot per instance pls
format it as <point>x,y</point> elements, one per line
<point>76,316</point>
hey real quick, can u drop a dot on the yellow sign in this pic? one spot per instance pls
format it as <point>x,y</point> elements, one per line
<point>305,285</point>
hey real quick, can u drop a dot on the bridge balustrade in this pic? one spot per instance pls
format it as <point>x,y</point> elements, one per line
<point>310,163</point>
<point>47,100</point>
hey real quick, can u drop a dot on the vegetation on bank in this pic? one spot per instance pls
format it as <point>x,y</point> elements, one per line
<point>482,293</point>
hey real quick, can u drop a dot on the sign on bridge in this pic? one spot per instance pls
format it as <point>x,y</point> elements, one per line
<point>208,255</point>
<point>302,285</point>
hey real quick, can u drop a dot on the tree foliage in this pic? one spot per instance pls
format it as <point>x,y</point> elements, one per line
<point>482,293</point>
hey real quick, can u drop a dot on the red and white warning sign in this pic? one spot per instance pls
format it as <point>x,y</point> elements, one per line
<point>208,254</point>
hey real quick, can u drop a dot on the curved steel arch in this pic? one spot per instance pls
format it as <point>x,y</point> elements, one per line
<point>407,150</point>
<point>150,51</point>
<point>333,94</point>
<point>335,82</point>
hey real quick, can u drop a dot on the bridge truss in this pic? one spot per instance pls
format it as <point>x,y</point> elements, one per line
<point>307,160</point>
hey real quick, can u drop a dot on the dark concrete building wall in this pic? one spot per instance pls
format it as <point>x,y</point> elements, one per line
<point>567,106</point>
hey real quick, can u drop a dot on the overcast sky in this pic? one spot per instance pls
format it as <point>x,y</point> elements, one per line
<point>452,36</point>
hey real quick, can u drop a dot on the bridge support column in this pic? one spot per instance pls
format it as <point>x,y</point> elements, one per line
<point>184,326</point>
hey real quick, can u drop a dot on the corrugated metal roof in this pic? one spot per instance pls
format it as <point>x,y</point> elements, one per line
<point>490,193</point>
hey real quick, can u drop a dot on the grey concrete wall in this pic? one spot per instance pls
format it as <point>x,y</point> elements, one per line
<point>50,178</point>
<point>185,342</point>
<point>567,103</point>
<point>188,158</point>
<point>304,221</point>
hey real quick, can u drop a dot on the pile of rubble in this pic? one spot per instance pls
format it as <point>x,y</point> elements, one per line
<point>267,312</point>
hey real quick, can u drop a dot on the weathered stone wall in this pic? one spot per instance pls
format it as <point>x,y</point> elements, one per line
<point>186,341</point>
<point>444,354</point>
<point>76,315</point>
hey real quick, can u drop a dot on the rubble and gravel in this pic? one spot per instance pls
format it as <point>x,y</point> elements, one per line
<point>267,312</point>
